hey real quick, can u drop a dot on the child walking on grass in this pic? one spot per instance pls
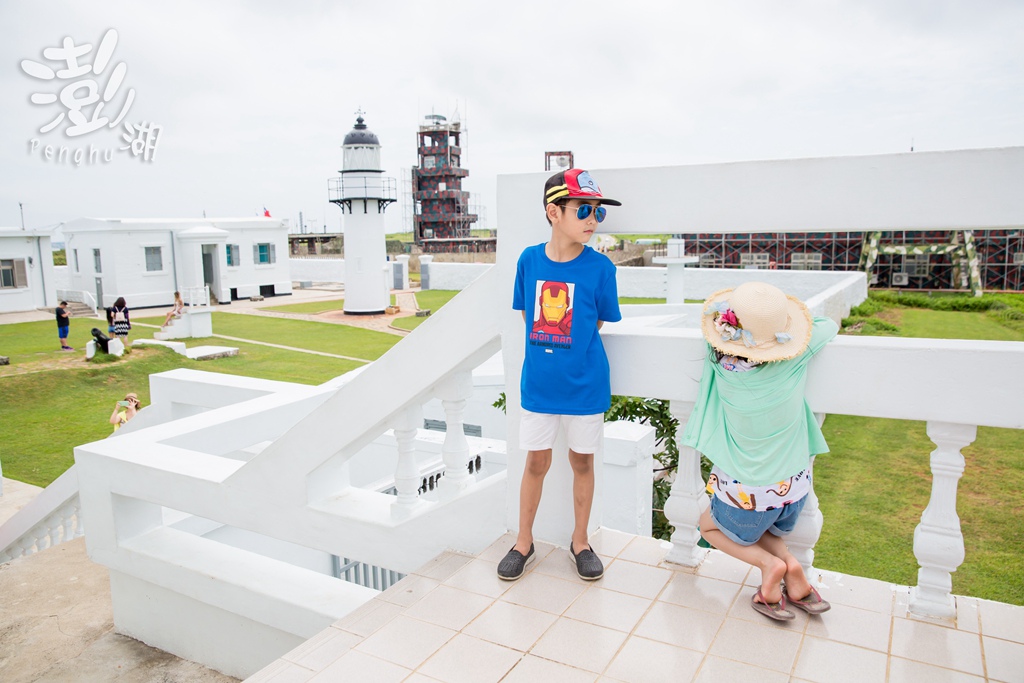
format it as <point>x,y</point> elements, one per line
<point>753,422</point>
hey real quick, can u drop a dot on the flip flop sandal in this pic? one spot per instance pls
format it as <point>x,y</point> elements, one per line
<point>812,604</point>
<point>772,610</point>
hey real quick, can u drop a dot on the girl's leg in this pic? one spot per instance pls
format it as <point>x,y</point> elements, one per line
<point>797,584</point>
<point>773,569</point>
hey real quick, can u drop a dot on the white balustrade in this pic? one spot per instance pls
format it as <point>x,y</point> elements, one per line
<point>938,542</point>
<point>805,535</point>
<point>455,451</point>
<point>407,473</point>
<point>687,500</point>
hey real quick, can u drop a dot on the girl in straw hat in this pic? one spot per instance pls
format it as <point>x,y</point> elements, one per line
<point>752,421</point>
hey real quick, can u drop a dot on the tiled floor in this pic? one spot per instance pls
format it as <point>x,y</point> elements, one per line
<point>646,620</point>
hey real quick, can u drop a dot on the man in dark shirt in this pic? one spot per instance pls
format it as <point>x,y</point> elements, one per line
<point>63,324</point>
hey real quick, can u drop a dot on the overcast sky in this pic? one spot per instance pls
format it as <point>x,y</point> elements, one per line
<point>255,98</point>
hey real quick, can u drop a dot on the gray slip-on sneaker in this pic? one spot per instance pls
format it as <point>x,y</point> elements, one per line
<point>514,564</point>
<point>588,564</point>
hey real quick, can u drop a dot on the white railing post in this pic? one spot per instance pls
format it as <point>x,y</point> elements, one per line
<point>407,472</point>
<point>455,450</point>
<point>805,535</point>
<point>938,543</point>
<point>687,499</point>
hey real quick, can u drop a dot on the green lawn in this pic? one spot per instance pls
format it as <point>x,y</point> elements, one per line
<point>309,307</point>
<point>640,300</point>
<point>916,322</point>
<point>303,334</point>
<point>48,413</point>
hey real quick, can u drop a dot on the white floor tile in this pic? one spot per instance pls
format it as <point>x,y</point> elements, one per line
<point>906,670</point>
<point>758,645</point>
<point>443,566</point>
<point>281,671</point>
<point>700,592</point>
<point>856,591</point>
<point>852,626</point>
<point>545,593</point>
<point>719,669</point>
<point>609,542</point>
<point>938,645</point>
<point>1004,660</point>
<point>718,565</point>
<point>358,666</point>
<point>405,641</point>
<point>645,550</point>
<point>823,661</point>
<point>635,579</point>
<point>647,661</point>
<point>479,576</point>
<point>532,669</point>
<point>465,659</point>
<point>680,626</point>
<point>449,607</point>
<point>608,608</point>
<point>1003,621</point>
<point>511,625</point>
<point>580,645</point>
<point>323,648</point>
<point>408,590</point>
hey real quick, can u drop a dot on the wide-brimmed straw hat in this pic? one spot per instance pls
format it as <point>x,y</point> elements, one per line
<point>756,321</point>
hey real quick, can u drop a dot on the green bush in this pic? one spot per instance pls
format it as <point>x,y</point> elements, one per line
<point>859,324</point>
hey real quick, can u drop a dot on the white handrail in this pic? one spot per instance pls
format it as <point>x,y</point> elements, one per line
<point>52,517</point>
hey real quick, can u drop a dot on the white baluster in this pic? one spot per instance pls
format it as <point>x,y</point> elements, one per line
<point>455,450</point>
<point>807,531</point>
<point>407,472</point>
<point>69,513</point>
<point>938,543</point>
<point>687,499</point>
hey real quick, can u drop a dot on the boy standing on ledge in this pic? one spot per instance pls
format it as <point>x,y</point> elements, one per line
<point>566,290</point>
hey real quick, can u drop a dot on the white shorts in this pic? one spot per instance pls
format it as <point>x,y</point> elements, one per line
<point>537,431</point>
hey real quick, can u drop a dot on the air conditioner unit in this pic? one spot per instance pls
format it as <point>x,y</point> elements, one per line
<point>874,279</point>
<point>900,279</point>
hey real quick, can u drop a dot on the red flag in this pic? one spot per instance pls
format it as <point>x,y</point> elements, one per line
<point>266,213</point>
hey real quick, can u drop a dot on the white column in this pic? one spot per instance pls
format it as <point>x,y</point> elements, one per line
<point>425,260</point>
<point>455,449</point>
<point>805,535</point>
<point>688,499</point>
<point>407,472</point>
<point>938,543</point>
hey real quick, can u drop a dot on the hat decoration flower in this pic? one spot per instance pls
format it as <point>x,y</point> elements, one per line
<point>727,324</point>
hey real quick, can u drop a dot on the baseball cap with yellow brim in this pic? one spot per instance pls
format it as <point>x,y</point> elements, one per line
<point>574,183</point>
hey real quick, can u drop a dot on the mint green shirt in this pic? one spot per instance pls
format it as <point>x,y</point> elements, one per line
<point>756,425</point>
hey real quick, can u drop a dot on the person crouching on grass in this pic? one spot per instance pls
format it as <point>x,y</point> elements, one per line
<point>753,423</point>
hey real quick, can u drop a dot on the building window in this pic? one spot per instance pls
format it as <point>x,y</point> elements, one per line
<point>752,260</point>
<point>429,162</point>
<point>74,252</point>
<point>232,253</point>
<point>915,265</point>
<point>264,253</point>
<point>708,260</point>
<point>154,259</point>
<point>12,273</point>
<point>97,264</point>
<point>1018,258</point>
<point>805,261</point>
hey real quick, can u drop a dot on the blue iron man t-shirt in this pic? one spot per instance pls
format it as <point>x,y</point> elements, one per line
<point>565,371</point>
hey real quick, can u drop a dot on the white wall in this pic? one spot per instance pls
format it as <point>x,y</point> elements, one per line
<point>41,289</point>
<point>317,269</point>
<point>454,276</point>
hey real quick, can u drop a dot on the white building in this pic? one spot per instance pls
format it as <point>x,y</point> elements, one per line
<point>26,270</point>
<point>147,260</point>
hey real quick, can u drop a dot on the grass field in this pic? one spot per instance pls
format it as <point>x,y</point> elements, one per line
<point>302,334</point>
<point>47,412</point>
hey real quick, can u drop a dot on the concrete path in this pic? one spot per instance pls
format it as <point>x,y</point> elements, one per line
<point>57,625</point>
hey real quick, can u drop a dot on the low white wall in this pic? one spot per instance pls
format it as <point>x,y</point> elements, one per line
<point>454,276</point>
<point>827,293</point>
<point>641,282</point>
<point>317,269</point>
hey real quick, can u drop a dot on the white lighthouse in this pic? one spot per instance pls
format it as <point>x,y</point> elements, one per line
<point>363,194</point>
